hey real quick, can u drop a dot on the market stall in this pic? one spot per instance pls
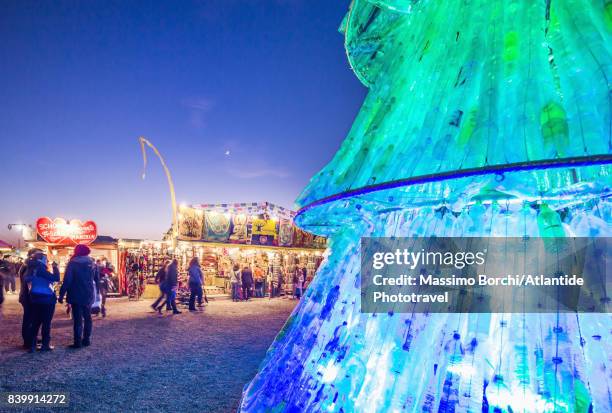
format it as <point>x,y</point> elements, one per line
<point>259,235</point>
<point>5,246</point>
<point>139,261</point>
<point>58,237</point>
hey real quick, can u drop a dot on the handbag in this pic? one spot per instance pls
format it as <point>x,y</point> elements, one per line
<point>95,307</point>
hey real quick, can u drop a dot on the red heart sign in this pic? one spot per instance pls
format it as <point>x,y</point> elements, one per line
<point>59,231</point>
<point>86,232</point>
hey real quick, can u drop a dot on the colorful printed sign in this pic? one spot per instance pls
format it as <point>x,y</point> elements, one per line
<point>240,230</point>
<point>285,233</point>
<point>263,232</point>
<point>191,224</point>
<point>61,232</point>
<point>217,226</point>
<point>237,227</point>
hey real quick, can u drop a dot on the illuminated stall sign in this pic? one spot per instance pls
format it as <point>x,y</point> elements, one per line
<point>61,232</point>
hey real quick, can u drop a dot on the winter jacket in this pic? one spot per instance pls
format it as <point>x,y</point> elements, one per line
<point>247,277</point>
<point>160,277</point>
<point>24,290</point>
<point>195,275</point>
<point>172,276</point>
<point>80,281</point>
<point>5,267</point>
<point>41,283</point>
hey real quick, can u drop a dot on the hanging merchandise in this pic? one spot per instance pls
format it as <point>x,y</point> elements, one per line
<point>250,223</point>
<point>302,238</point>
<point>217,226</point>
<point>285,233</point>
<point>239,233</point>
<point>136,281</point>
<point>191,224</point>
<point>263,232</point>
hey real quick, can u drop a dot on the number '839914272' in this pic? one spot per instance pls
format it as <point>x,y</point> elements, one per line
<point>34,398</point>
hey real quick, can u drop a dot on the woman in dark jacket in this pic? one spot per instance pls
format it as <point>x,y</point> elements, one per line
<point>81,283</point>
<point>24,298</point>
<point>42,299</point>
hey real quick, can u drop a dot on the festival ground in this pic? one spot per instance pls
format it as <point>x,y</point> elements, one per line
<point>140,361</point>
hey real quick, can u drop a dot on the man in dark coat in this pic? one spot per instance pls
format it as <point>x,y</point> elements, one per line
<point>81,283</point>
<point>172,285</point>
<point>247,282</point>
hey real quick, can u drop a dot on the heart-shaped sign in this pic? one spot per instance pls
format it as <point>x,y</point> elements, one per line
<point>85,232</point>
<point>59,231</point>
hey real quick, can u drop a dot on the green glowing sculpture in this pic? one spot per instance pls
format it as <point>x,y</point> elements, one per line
<point>483,118</point>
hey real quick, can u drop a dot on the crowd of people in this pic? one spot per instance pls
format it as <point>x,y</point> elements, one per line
<point>8,273</point>
<point>247,282</point>
<point>86,284</point>
<point>167,280</point>
<point>84,288</point>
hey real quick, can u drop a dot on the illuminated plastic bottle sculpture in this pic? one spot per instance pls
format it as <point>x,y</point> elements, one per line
<point>483,118</point>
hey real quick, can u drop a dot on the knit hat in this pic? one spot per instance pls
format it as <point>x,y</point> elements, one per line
<point>81,250</point>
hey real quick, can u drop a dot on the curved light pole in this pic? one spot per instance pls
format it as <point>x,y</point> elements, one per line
<point>143,141</point>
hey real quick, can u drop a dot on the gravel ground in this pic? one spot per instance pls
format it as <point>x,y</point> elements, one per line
<point>140,361</point>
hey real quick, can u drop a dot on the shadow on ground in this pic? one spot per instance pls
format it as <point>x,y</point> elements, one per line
<point>140,361</point>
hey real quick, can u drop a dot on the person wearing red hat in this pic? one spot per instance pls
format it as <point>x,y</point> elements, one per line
<point>81,284</point>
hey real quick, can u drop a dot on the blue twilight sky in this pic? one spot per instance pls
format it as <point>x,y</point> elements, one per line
<point>266,80</point>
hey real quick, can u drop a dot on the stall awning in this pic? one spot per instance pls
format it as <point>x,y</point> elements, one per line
<point>5,245</point>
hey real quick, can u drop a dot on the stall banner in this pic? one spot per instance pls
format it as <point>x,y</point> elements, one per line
<point>285,233</point>
<point>217,226</point>
<point>61,232</point>
<point>239,233</point>
<point>264,232</point>
<point>191,223</point>
<point>249,208</point>
<point>248,223</point>
<point>319,242</point>
<point>303,239</point>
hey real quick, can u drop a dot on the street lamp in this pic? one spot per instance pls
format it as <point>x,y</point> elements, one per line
<point>23,228</point>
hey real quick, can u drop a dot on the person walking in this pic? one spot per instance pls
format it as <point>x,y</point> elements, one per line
<point>42,300</point>
<point>81,285</point>
<point>247,283</point>
<point>24,297</point>
<point>172,285</point>
<point>160,280</point>
<point>105,282</point>
<point>235,281</point>
<point>196,281</point>
<point>7,271</point>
